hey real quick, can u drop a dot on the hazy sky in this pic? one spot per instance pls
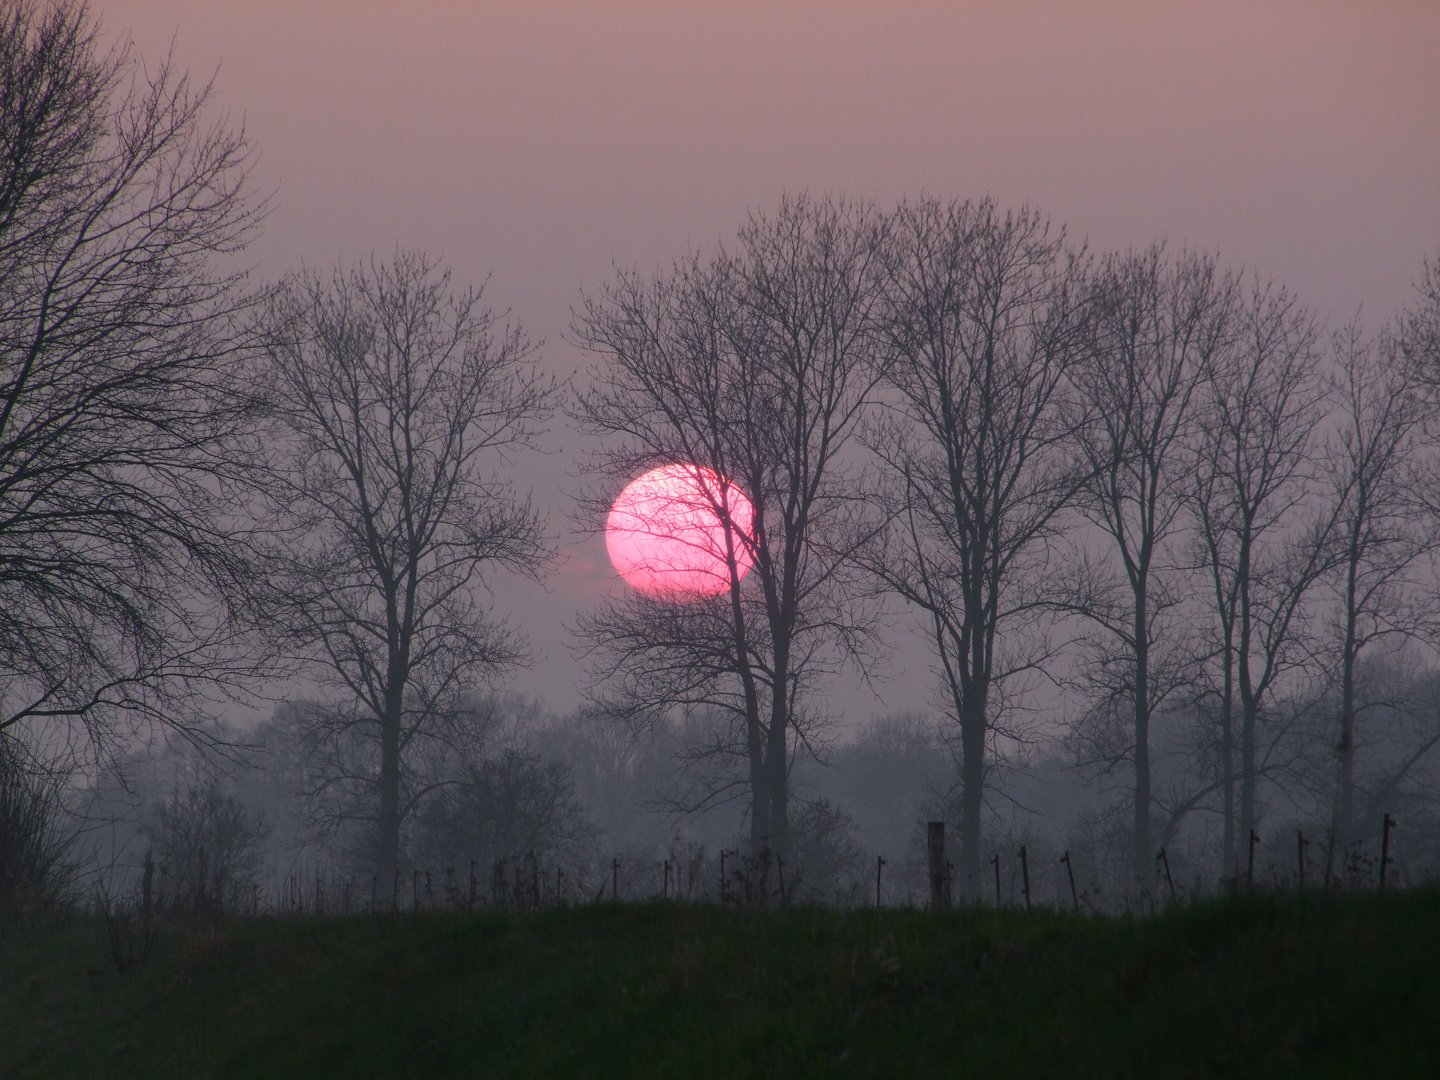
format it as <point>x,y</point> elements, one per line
<point>541,143</point>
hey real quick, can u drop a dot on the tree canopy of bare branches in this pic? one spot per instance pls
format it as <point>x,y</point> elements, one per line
<point>122,415</point>
<point>393,406</point>
<point>757,364</point>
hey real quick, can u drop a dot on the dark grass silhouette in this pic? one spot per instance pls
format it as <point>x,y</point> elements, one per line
<point>1316,984</point>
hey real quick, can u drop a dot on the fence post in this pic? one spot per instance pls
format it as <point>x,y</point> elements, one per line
<point>1385,848</point>
<point>1070,873</point>
<point>935,848</point>
<point>1250,864</point>
<point>996,861</point>
<point>615,880</point>
<point>1025,875</point>
<point>1300,855</point>
<point>879,866</point>
<point>1170,883</point>
<point>147,903</point>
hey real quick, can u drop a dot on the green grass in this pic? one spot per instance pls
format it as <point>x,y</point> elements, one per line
<point>1273,986</point>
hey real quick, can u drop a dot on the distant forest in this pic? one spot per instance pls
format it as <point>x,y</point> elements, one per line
<point>1171,542</point>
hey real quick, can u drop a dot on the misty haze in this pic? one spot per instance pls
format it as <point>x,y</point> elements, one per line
<point>719,540</point>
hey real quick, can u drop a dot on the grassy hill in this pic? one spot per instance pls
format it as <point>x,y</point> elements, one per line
<point>1312,985</point>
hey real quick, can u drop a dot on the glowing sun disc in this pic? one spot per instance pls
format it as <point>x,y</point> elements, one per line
<point>666,538</point>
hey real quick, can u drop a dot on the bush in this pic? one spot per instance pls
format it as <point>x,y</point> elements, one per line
<point>33,844</point>
<point>512,806</point>
<point>207,846</point>
<point>826,863</point>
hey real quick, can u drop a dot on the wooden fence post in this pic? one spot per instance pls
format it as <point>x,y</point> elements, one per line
<point>1070,873</point>
<point>1025,875</point>
<point>996,861</point>
<point>1385,848</point>
<point>1250,864</point>
<point>935,848</point>
<point>879,868</point>
<point>1165,861</point>
<point>147,902</point>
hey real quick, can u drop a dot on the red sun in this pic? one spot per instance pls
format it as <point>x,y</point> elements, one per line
<point>666,536</point>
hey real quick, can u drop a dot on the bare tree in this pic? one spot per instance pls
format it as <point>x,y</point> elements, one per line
<point>1158,325</point>
<point>1265,544</point>
<point>757,365</point>
<point>983,319</point>
<point>207,846</point>
<point>393,407</point>
<point>122,413</point>
<point>1373,476</point>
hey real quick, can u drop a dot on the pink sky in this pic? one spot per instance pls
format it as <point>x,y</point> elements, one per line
<point>542,142</point>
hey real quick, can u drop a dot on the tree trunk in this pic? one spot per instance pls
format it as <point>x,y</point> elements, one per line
<point>779,791</point>
<point>387,824</point>
<point>1249,706</point>
<point>1227,749</point>
<point>754,730</point>
<point>1345,789</point>
<point>1248,715</point>
<point>1140,856</point>
<point>760,787</point>
<point>972,781</point>
<point>777,756</point>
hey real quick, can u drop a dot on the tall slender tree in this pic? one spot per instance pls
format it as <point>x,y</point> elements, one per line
<point>1265,542</point>
<point>1158,326</point>
<point>393,408</point>
<point>757,364</point>
<point>983,318</point>
<point>1373,473</point>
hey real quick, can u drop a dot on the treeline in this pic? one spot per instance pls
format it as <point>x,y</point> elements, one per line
<point>1157,522</point>
<point>1134,498</point>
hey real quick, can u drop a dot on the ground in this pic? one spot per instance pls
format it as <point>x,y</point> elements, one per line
<point>1313,985</point>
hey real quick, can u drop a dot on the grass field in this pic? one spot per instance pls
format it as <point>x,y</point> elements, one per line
<point>1313,985</point>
